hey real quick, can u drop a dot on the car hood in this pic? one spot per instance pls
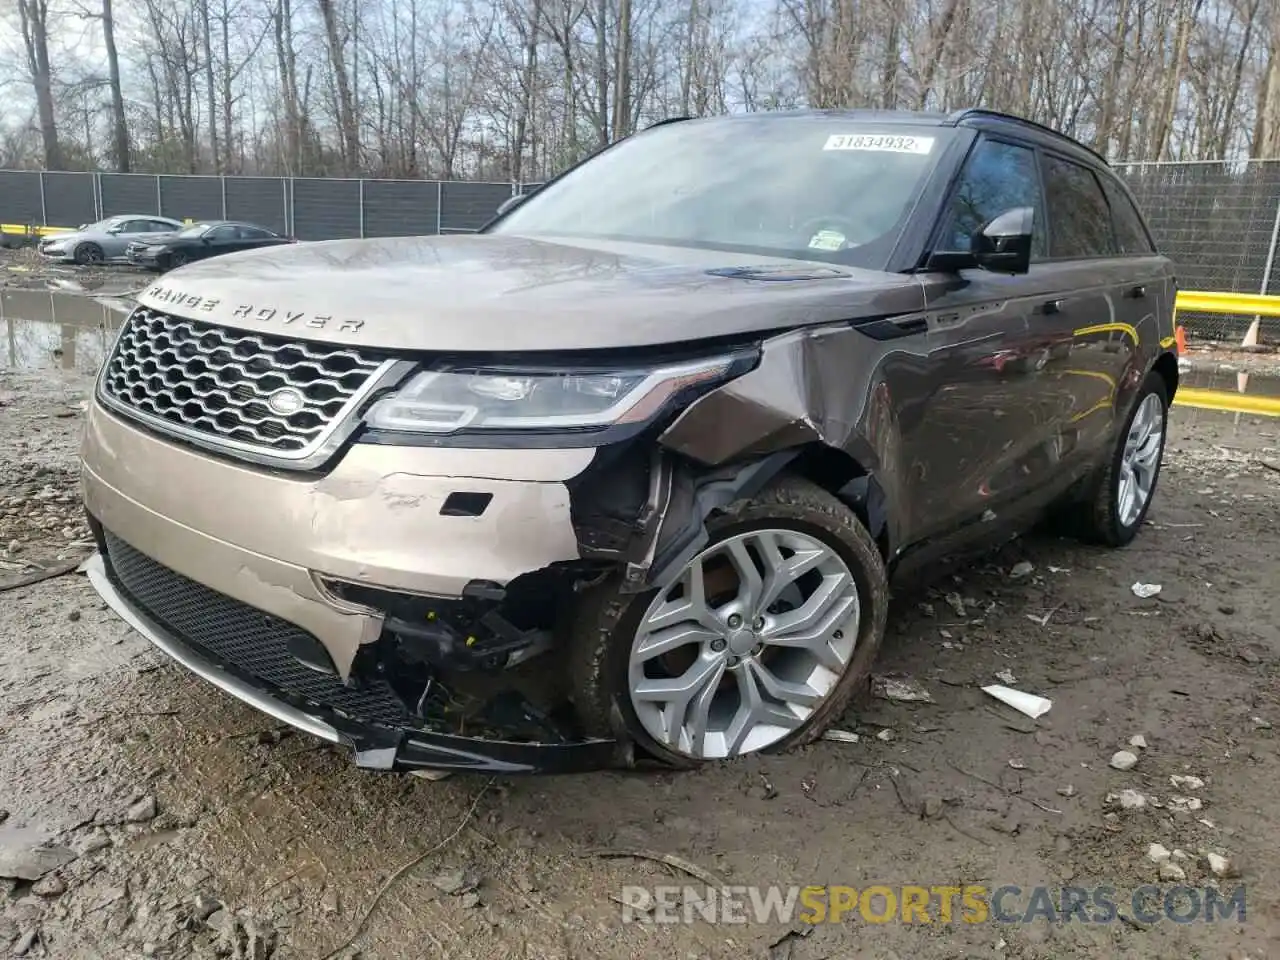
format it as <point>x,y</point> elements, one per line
<point>485,292</point>
<point>67,237</point>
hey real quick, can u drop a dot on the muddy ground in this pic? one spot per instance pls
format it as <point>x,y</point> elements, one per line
<point>191,826</point>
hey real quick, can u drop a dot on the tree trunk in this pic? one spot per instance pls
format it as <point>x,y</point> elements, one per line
<point>341,79</point>
<point>34,19</point>
<point>119,125</point>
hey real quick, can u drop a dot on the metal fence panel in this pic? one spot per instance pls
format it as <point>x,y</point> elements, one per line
<point>69,199</point>
<point>127,193</point>
<point>401,208</point>
<point>20,197</point>
<point>469,206</point>
<point>191,198</point>
<point>1217,222</point>
<point>326,209</point>
<point>259,200</point>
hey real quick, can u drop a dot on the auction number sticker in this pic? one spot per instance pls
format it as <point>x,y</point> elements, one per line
<point>885,143</point>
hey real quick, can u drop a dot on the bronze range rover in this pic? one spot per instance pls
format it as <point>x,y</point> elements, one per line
<point>626,476</point>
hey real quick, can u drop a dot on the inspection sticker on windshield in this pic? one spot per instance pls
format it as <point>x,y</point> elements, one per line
<point>884,143</point>
<point>827,240</point>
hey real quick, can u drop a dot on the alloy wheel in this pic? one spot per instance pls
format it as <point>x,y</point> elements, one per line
<point>745,645</point>
<point>1140,460</point>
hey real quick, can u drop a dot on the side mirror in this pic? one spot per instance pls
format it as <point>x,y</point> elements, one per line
<point>1003,244</point>
<point>511,203</point>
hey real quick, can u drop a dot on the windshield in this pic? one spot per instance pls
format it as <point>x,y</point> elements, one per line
<point>813,188</point>
<point>195,230</point>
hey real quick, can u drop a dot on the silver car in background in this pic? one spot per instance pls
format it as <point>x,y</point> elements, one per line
<point>106,239</point>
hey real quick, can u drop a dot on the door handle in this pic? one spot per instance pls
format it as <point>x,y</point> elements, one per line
<point>1136,293</point>
<point>1053,306</point>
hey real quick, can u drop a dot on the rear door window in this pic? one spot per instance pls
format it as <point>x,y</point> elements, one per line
<point>1131,236</point>
<point>1079,216</point>
<point>997,177</point>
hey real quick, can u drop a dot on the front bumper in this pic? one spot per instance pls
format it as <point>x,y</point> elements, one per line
<point>272,550</point>
<point>374,746</point>
<point>57,256</point>
<point>141,260</point>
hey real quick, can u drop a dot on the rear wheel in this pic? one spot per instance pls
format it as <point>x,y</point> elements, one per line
<point>759,643</point>
<point>89,253</point>
<point>177,259</point>
<point>1126,485</point>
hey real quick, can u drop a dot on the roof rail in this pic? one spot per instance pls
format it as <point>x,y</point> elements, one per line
<point>958,115</point>
<point>663,123</point>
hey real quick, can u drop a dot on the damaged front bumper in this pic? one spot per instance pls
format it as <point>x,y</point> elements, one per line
<point>374,746</point>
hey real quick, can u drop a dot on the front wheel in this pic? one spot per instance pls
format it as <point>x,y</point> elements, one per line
<point>1127,484</point>
<point>178,259</point>
<point>88,254</point>
<point>759,643</point>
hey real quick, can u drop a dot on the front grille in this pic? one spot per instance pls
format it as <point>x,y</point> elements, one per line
<point>236,635</point>
<point>234,388</point>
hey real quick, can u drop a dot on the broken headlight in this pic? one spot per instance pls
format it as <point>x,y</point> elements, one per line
<point>451,399</point>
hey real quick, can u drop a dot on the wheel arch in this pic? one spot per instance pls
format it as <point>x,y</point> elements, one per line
<point>1167,366</point>
<point>698,493</point>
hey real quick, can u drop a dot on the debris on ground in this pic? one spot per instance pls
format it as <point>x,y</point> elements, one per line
<point>1139,741</point>
<point>1006,677</point>
<point>1220,866</point>
<point>1186,782</point>
<point>1158,853</point>
<point>1127,799</point>
<point>1023,568</point>
<point>1028,704</point>
<point>886,735</point>
<point>1145,591</point>
<point>841,736</point>
<point>1123,760</point>
<point>1186,803</point>
<point>25,858</point>
<point>900,688</point>
<point>1172,873</point>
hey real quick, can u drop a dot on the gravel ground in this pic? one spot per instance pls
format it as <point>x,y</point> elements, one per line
<point>175,822</point>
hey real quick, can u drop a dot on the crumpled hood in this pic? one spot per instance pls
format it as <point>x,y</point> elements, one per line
<point>504,293</point>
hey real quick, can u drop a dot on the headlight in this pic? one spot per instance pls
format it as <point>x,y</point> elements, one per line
<point>450,399</point>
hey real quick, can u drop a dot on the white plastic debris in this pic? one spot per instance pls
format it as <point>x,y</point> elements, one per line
<point>1124,760</point>
<point>1006,676</point>
<point>1129,799</point>
<point>1023,568</point>
<point>1186,781</point>
<point>1145,591</point>
<point>1186,803</point>
<point>1139,741</point>
<point>1219,864</point>
<point>431,774</point>
<point>886,735</point>
<point>841,736</point>
<point>1028,704</point>
<point>1017,764</point>
<point>901,689</point>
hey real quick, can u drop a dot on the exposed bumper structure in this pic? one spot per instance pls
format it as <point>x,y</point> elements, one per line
<point>374,746</point>
<point>231,570</point>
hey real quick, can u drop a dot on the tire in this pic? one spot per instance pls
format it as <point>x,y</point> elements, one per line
<point>1099,520</point>
<point>88,253</point>
<point>178,259</point>
<point>605,625</point>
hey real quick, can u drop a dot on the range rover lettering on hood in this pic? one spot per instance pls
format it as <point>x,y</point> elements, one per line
<point>160,295</point>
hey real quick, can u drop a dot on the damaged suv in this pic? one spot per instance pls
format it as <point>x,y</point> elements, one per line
<point>626,476</point>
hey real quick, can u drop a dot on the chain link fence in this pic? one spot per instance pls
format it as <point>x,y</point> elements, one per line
<point>1218,221</point>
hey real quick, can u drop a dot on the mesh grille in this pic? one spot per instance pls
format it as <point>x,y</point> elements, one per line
<point>242,637</point>
<point>267,393</point>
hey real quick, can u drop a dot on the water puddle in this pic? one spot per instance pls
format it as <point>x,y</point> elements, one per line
<point>54,330</point>
<point>1233,380</point>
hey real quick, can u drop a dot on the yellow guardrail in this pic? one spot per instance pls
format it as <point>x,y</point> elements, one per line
<point>1237,304</point>
<point>31,230</point>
